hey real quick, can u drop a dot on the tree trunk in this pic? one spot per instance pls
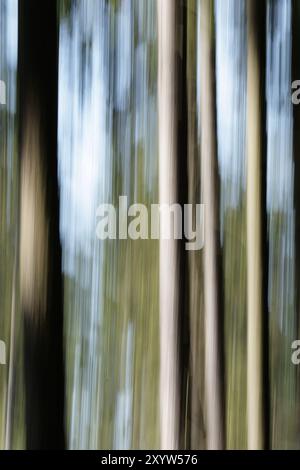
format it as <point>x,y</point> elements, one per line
<point>169,249</point>
<point>209,173</point>
<point>256,308</point>
<point>195,258</point>
<point>40,250</point>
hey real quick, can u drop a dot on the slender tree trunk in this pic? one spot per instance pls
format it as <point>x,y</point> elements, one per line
<point>195,258</point>
<point>209,172</point>
<point>182,189</point>
<point>12,361</point>
<point>257,313</point>
<point>169,249</point>
<point>40,250</point>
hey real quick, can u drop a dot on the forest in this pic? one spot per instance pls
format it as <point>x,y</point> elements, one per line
<point>140,342</point>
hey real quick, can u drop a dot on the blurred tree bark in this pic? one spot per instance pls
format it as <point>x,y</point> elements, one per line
<point>182,183</point>
<point>195,258</point>
<point>214,384</point>
<point>257,342</point>
<point>40,250</point>
<point>169,249</point>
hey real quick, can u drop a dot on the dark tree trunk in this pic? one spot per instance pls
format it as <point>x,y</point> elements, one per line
<point>195,258</point>
<point>40,249</point>
<point>182,185</point>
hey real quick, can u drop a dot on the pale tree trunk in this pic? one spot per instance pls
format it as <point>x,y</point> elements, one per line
<point>213,325</point>
<point>169,267</point>
<point>255,165</point>
<point>40,250</point>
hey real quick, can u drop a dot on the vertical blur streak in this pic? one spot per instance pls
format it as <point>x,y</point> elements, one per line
<point>212,301</point>
<point>11,386</point>
<point>40,250</point>
<point>136,374</point>
<point>169,268</point>
<point>255,154</point>
<point>12,358</point>
<point>195,273</point>
<point>295,70</point>
<point>107,148</point>
<point>282,192</point>
<point>295,14</point>
<point>231,105</point>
